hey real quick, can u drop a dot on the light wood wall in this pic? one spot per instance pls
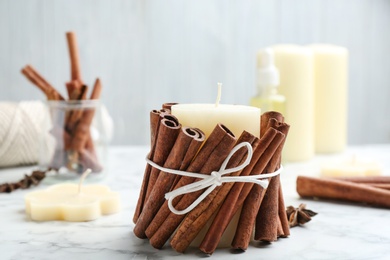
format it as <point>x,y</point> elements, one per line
<point>149,52</point>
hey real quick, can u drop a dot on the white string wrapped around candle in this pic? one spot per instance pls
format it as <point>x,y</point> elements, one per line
<point>215,179</point>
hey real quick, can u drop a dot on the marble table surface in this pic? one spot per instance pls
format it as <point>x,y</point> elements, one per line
<point>339,231</point>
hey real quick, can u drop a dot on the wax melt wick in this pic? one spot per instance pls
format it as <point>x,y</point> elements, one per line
<point>83,176</point>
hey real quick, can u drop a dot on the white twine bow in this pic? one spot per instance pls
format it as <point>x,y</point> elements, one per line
<point>215,179</point>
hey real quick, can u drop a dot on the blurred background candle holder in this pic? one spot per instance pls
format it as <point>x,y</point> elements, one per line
<point>74,138</point>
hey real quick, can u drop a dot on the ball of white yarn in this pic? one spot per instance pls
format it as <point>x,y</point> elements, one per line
<point>20,132</point>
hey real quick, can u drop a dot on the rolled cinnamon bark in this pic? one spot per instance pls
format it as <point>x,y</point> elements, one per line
<point>261,156</point>
<point>168,132</point>
<point>255,198</point>
<point>268,214</point>
<point>155,118</point>
<point>366,179</point>
<point>81,133</point>
<point>208,164</point>
<point>283,215</point>
<point>168,105</point>
<point>329,188</point>
<point>74,56</point>
<point>186,145</point>
<point>34,77</point>
<point>198,217</point>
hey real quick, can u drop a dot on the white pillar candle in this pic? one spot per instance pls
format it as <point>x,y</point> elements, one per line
<point>206,116</point>
<point>295,65</point>
<point>330,84</point>
<point>71,202</point>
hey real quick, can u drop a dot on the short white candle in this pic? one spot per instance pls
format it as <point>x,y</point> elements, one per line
<point>206,116</point>
<point>71,202</point>
<point>351,167</point>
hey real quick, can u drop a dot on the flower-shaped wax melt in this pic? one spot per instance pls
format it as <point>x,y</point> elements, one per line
<point>72,202</point>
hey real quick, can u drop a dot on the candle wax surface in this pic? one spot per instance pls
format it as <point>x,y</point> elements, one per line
<point>351,168</point>
<point>236,118</point>
<point>63,202</point>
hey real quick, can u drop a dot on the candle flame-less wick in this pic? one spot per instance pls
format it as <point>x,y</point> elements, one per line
<point>219,94</point>
<point>83,176</point>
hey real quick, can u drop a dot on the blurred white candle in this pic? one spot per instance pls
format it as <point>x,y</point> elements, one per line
<point>351,167</point>
<point>330,84</point>
<point>295,65</point>
<point>236,118</point>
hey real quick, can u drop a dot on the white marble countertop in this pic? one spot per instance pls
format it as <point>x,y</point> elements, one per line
<point>339,231</point>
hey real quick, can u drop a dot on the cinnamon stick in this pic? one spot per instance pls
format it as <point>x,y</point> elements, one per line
<point>155,118</point>
<point>81,133</point>
<point>186,145</point>
<point>198,217</point>
<point>329,188</point>
<point>168,132</point>
<point>261,155</point>
<point>255,198</point>
<point>267,217</point>
<point>222,145</point>
<point>366,179</point>
<point>283,215</point>
<point>34,77</point>
<point>74,56</point>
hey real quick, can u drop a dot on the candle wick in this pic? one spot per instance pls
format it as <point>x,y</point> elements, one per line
<point>83,176</point>
<point>219,94</point>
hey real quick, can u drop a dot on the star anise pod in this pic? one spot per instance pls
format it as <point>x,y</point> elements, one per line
<point>299,216</point>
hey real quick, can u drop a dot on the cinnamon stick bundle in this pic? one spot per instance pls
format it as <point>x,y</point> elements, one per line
<point>329,188</point>
<point>237,195</point>
<point>222,140</point>
<point>198,217</point>
<point>186,146</point>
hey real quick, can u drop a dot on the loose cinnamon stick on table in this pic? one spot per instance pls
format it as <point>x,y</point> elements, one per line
<point>207,165</point>
<point>366,179</point>
<point>329,188</point>
<point>155,119</point>
<point>237,195</point>
<point>198,217</point>
<point>186,145</point>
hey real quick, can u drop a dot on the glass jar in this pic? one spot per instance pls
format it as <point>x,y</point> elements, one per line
<point>74,139</point>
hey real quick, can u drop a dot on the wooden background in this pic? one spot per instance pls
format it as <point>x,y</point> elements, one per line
<point>150,52</point>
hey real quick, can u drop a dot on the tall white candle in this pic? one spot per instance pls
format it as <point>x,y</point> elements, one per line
<point>330,84</point>
<point>206,116</point>
<point>295,65</point>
